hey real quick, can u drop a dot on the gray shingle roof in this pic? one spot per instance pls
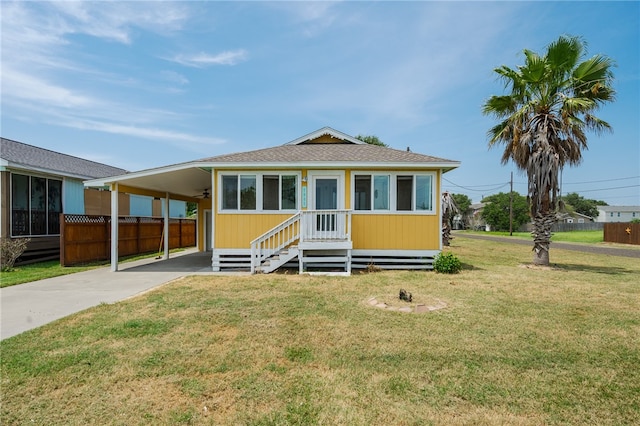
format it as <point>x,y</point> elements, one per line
<point>325,152</point>
<point>30,157</point>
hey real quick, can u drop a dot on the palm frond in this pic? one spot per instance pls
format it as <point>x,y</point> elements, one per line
<point>564,53</point>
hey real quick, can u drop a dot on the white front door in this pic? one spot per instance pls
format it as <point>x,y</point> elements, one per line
<point>326,194</point>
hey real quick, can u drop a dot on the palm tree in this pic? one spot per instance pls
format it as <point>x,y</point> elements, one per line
<point>544,119</point>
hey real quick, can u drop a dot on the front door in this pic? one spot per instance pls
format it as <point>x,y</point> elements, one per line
<point>327,195</point>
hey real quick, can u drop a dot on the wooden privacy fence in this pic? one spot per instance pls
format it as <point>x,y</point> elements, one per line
<point>626,233</point>
<point>87,238</point>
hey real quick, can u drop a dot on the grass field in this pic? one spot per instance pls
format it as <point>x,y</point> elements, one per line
<point>590,237</point>
<point>514,345</point>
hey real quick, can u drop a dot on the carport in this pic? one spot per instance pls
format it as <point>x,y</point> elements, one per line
<point>184,182</point>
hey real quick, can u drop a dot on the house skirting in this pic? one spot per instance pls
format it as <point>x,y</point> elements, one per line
<point>240,259</point>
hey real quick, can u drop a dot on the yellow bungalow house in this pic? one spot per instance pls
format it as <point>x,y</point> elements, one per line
<point>324,201</point>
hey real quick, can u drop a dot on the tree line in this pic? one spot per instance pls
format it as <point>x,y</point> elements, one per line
<point>496,210</point>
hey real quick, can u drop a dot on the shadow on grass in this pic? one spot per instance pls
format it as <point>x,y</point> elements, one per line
<point>607,270</point>
<point>470,267</point>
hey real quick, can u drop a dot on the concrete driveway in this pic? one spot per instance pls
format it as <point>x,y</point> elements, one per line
<point>30,305</point>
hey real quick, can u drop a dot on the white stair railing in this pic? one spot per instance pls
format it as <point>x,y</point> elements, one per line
<point>274,240</point>
<point>307,225</point>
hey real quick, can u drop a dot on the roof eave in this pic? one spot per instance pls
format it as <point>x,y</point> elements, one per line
<point>27,168</point>
<point>445,165</point>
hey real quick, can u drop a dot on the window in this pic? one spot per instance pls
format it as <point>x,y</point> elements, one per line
<point>279,192</point>
<point>404,193</point>
<point>229,192</point>
<point>289,191</point>
<point>368,198</point>
<point>423,192</point>
<point>363,192</point>
<point>408,192</point>
<point>259,192</point>
<point>247,192</point>
<point>36,204</point>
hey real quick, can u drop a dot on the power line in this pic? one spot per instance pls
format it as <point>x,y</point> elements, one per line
<point>598,181</point>
<point>607,189</point>
<point>493,186</point>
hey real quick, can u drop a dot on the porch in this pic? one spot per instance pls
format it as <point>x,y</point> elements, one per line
<point>319,239</point>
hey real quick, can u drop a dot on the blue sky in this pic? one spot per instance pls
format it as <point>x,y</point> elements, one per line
<point>145,84</point>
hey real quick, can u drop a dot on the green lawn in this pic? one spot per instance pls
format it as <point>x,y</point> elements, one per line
<point>591,237</point>
<point>514,345</point>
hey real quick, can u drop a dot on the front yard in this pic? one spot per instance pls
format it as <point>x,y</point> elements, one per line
<point>513,345</point>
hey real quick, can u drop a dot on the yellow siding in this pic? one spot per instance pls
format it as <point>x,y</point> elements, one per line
<point>399,232</point>
<point>369,231</point>
<point>238,230</point>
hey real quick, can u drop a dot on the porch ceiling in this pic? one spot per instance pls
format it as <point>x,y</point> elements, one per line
<point>188,182</point>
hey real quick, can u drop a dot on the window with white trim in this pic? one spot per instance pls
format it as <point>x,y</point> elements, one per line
<point>371,192</point>
<point>259,192</point>
<point>393,192</point>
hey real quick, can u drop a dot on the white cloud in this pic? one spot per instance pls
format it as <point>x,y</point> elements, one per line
<point>174,77</point>
<point>200,60</point>
<point>40,70</point>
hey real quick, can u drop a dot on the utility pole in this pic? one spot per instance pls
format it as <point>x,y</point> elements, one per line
<point>511,207</point>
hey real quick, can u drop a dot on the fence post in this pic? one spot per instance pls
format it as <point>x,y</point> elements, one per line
<point>107,229</point>
<point>62,263</point>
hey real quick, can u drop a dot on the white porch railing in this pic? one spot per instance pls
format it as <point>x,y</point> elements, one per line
<point>305,226</point>
<point>325,225</point>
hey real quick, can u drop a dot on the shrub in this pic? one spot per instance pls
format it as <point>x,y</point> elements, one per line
<point>10,251</point>
<point>447,263</point>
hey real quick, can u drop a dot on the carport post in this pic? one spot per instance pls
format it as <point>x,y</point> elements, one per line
<point>166,226</point>
<point>114,227</point>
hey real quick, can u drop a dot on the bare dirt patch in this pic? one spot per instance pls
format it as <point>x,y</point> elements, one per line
<point>418,305</point>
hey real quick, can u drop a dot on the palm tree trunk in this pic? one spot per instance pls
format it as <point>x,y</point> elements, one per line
<point>541,232</point>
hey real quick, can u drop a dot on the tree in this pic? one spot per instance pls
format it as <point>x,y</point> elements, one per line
<point>463,202</point>
<point>496,211</point>
<point>449,210</point>
<point>543,121</point>
<point>371,140</point>
<point>581,205</point>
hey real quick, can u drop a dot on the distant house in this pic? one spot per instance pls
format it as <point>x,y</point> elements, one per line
<point>37,185</point>
<point>324,200</point>
<point>608,214</point>
<point>574,217</point>
<point>475,220</point>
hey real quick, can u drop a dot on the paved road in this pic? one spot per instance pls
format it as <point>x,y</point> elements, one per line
<point>586,248</point>
<point>30,305</point>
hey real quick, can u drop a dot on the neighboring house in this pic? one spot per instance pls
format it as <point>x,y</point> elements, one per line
<point>475,219</point>
<point>37,185</point>
<point>574,217</point>
<point>325,199</point>
<point>610,214</point>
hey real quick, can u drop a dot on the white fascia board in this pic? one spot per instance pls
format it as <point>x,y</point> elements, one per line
<point>332,165</point>
<point>100,182</point>
<point>30,169</point>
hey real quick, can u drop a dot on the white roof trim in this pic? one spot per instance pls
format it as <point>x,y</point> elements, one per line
<point>21,168</point>
<point>143,173</point>
<point>325,131</point>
